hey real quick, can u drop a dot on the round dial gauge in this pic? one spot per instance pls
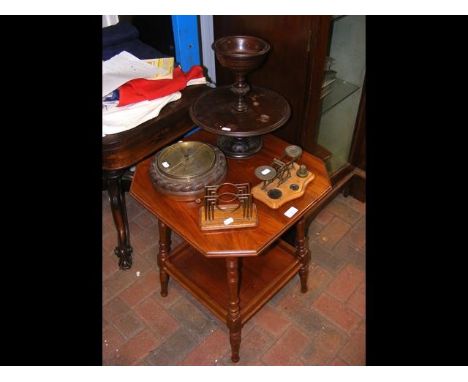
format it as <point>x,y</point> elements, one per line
<point>186,159</point>
<point>183,169</point>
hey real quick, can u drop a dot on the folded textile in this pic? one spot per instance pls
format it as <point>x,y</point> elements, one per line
<point>140,89</point>
<point>122,68</point>
<point>118,119</point>
<point>124,36</point>
<point>111,99</point>
<point>118,33</point>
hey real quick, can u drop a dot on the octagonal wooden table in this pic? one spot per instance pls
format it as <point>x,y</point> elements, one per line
<point>233,272</point>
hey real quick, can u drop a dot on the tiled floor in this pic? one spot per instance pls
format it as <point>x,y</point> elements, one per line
<point>325,326</point>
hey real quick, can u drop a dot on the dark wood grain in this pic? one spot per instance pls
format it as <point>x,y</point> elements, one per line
<point>294,68</point>
<point>288,66</point>
<point>116,192</point>
<point>164,249</point>
<point>214,110</point>
<point>320,38</point>
<point>233,315</point>
<point>183,217</point>
<point>261,277</point>
<point>125,149</point>
<point>233,272</point>
<point>303,253</point>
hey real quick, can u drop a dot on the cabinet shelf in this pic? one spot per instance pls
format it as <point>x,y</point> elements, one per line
<point>341,91</point>
<point>262,277</point>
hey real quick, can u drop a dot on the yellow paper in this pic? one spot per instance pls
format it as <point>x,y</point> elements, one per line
<point>165,67</point>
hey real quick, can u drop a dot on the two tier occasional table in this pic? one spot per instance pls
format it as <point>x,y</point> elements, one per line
<point>233,272</point>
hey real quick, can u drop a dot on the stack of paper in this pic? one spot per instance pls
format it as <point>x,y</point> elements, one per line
<point>164,68</point>
<point>122,68</point>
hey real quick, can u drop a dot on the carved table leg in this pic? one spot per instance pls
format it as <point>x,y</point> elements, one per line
<point>164,249</point>
<point>233,316</point>
<point>119,212</point>
<point>302,252</point>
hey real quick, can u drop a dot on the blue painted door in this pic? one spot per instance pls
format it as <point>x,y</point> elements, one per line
<point>187,45</point>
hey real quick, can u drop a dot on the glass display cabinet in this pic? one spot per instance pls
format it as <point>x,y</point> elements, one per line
<point>342,88</point>
<point>318,64</point>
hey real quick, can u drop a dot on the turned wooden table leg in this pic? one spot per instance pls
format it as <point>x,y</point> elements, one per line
<point>233,316</point>
<point>119,212</point>
<point>303,253</point>
<point>164,249</point>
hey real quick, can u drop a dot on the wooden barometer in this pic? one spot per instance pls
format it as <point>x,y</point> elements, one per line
<point>183,169</point>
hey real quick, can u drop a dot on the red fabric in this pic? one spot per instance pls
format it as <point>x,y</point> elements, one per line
<point>140,89</point>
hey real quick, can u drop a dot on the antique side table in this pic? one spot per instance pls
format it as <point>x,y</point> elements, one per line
<point>233,272</point>
<point>123,150</point>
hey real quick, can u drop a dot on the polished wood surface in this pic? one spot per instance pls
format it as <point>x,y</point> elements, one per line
<point>238,220</point>
<point>265,111</point>
<point>309,130</point>
<point>164,249</point>
<point>233,272</point>
<point>262,277</point>
<point>234,315</point>
<point>288,193</point>
<point>123,150</point>
<point>303,253</point>
<point>127,148</point>
<point>241,55</point>
<point>293,67</point>
<point>116,192</point>
<point>183,217</point>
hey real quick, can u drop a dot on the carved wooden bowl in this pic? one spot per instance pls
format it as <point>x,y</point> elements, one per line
<point>241,54</point>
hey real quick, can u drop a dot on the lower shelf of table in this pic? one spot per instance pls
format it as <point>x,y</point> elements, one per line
<point>261,277</point>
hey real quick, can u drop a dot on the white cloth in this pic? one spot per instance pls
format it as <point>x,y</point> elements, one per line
<point>117,119</point>
<point>197,81</point>
<point>122,68</point>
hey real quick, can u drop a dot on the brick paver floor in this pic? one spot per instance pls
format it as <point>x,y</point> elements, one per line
<point>325,326</point>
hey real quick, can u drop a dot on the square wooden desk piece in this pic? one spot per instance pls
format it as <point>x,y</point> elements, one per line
<point>207,264</point>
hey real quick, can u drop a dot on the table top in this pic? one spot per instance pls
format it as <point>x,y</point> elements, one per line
<point>122,150</point>
<point>266,112</point>
<point>183,217</point>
